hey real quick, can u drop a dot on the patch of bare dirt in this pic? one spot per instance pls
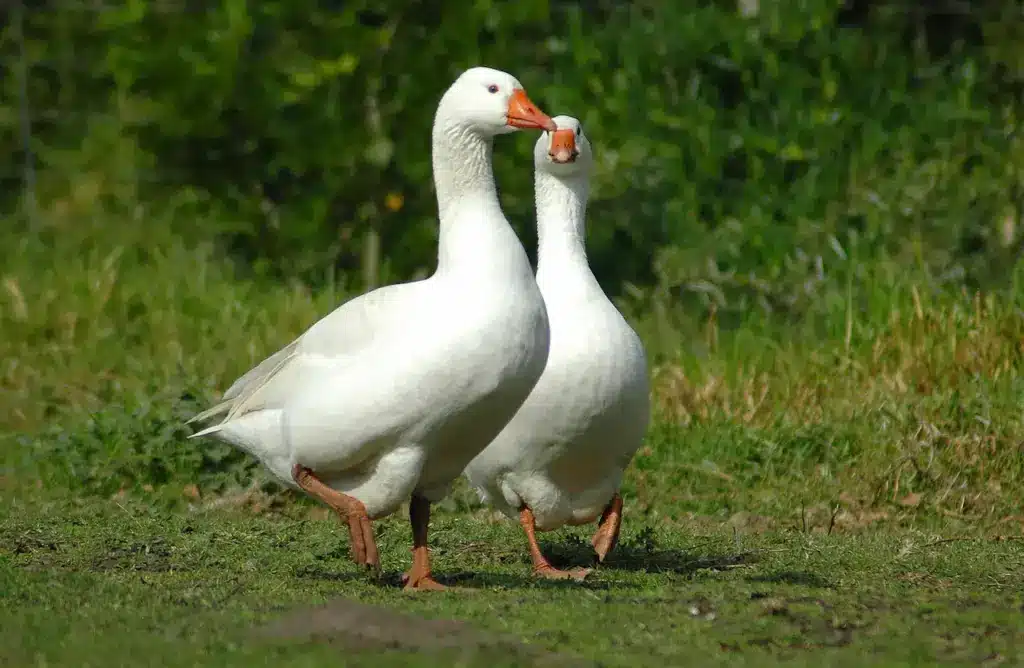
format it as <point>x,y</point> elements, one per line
<point>355,626</point>
<point>150,557</point>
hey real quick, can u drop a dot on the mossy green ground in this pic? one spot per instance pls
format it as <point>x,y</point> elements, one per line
<point>120,582</point>
<point>842,490</point>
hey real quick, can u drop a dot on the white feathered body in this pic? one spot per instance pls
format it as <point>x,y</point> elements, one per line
<point>397,390</point>
<point>565,451</point>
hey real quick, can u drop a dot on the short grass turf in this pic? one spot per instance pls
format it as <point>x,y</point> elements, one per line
<point>842,490</point>
<point>124,582</point>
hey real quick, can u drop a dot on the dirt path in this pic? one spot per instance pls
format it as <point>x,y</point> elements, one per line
<point>358,626</point>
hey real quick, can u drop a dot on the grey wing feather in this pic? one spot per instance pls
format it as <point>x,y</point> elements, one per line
<point>349,327</point>
<point>255,377</point>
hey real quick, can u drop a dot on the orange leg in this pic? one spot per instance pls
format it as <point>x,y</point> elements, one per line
<point>541,566</point>
<point>364,547</point>
<point>607,534</point>
<point>418,577</point>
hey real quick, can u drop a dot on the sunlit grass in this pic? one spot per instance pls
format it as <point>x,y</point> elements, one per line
<point>825,489</point>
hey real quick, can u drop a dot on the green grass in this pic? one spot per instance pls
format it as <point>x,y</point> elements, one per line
<point>839,489</point>
<point>109,582</point>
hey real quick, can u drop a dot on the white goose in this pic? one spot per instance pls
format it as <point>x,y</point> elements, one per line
<point>560,460</point>
<point>388,397</point>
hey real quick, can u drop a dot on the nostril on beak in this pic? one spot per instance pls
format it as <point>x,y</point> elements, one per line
<point>563,156</point>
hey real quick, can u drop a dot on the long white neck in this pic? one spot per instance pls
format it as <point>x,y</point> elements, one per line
<point>561,216</point>
<point>472,225</point>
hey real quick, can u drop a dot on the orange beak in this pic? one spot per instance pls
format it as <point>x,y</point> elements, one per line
<point>522,113</point>
<point>563,147</point>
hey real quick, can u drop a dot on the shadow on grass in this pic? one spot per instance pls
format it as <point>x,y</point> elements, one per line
<point>793,578</point>
<point>676,561</point>
<point>328,575</point>
<point>526,580</point>
<point>459,579</point>
<point>640,553</point>
<point>644,554</point>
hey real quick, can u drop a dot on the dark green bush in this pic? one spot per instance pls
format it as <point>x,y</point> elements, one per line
<point>744,160</point>
<point>132,445</point>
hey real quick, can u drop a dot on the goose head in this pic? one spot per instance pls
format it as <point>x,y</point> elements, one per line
<point>492,102</point>
<point>564,151</point>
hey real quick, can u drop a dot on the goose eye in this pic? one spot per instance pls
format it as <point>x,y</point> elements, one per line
<point>493,88</point>
<point>579,130</point>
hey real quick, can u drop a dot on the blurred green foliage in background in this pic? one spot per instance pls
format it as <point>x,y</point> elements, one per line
<point>752,158</point>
